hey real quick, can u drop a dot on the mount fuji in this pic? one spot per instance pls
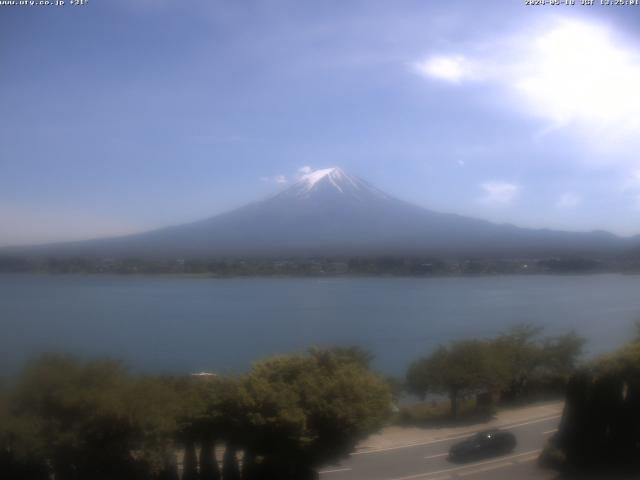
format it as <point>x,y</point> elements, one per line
<point>329,212</point>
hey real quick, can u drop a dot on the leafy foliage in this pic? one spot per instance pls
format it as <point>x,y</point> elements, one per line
<point>78,419</point>
<point>303,410</point>
<point>510,364</point>
<point>460,369</point>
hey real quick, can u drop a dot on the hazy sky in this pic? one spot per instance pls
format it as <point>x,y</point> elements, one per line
<point>120,116</point>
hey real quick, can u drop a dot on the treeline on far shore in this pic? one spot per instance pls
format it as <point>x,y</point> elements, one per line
<point>319,266</point>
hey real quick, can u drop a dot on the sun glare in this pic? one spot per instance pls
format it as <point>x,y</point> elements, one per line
<point>580,73</point>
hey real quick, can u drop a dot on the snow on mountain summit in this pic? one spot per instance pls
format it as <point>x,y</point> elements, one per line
<point>314,177</point>
<point>333,175</point>
<point>332,180</point>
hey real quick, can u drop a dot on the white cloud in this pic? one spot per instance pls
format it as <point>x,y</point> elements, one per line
<point>452,68</point>
<point>303,172</point>
<point>569,200</point>
<point>568,72</point>
<point>498,193</point>
<point>283,179</point>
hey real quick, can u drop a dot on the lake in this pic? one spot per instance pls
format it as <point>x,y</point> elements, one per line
<point>158,323</point>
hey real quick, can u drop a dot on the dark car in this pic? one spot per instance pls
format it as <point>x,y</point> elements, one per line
<point>483,444</point>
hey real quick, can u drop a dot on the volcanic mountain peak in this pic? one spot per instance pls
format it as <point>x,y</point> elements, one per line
<point>329,212</point>
<point>334,175</point>
<point>334,181</point>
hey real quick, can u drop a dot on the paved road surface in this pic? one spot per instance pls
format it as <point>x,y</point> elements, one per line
<point>428,460</point>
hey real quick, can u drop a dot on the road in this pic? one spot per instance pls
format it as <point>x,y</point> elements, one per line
<point>428,460</point>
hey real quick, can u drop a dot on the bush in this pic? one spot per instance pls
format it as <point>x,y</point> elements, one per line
<point>73,419</point>
<point>439,413</point>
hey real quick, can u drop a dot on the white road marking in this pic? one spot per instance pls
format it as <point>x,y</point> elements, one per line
<point>528,459</point>
<point>467,467</point>
<point>550,431</point>
<point>457,437</point>
<point>409,445</point>
<point>488,468</point>
<point>334,470</point>
<point>509,427</point>
<point>436,456</point>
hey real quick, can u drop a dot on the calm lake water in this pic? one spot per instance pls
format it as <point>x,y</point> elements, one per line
<point>193,324</point>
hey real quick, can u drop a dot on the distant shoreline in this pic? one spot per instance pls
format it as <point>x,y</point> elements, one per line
<point>326,267</point>
<point>205,276</point>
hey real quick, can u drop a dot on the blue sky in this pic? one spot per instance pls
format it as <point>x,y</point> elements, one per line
<point>120,116</point>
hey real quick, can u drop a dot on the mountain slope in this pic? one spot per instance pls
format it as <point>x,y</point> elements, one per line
<point>328,212</point>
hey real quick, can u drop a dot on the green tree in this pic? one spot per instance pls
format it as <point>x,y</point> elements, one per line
<point>301,411</point>
<point>537,364</point>
<point>154,407</point>
<point>92,419</point>
<point>562,353</point>
<point>20,446</point>
<point>520,351</point>
<point>458,370</point>
<point>354,353</point>
<point>83,419</point>
<point>76,419</point>
<point>201,422</point>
